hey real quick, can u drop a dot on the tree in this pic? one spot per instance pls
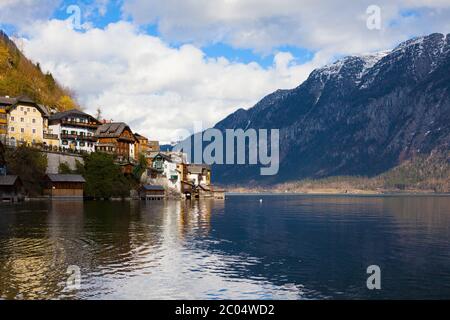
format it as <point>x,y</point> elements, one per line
<point>140,168</point>
<point>66,103</point>
<point>64,168</point>
<point>30,165</point>
<point>4,57</point>
<point>79,167</point>
<point>104,179</point>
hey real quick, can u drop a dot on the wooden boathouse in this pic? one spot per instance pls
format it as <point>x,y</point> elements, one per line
<point>152,192</point>
<point>64,186</point>
<point>11,188</point>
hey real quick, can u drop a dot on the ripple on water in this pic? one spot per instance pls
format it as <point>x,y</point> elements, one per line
<point>289,248</point>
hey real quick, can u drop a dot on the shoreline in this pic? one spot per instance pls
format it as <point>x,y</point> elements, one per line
<point>384,194</point>
<point>337,192</point>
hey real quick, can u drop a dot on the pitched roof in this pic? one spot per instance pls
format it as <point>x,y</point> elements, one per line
<point>66,178</point>
<point>111,130</point>
<point>73,112</point>
<point>140,137</point>
<point>25,99</point>
<point>7,101</point>
<point>162,155</point>
<point>13,102</point>
<point>8,180</point>
<point>149,187</point>
<point>197,168</point>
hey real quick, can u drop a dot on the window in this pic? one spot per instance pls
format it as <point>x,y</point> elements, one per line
<point>22,130</point>
<point>21,108</point>
<point>28,109</point>
<point>12,118</point>
<point>25,113</point>
<point>11,129</point>
<point>34,131</point>
<point>22,120</point>
<point>34,121</point>
<point>34,110</point>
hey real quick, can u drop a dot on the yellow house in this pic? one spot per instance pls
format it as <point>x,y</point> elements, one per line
<point>27,122</point>
<point>4,103</point>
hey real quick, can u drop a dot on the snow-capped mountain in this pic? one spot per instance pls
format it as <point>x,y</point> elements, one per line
<point>361,115</point>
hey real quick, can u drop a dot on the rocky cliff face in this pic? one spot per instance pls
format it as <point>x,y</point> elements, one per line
<point>361,115</point>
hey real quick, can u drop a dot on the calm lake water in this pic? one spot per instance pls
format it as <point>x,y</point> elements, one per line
<point>287,247</point>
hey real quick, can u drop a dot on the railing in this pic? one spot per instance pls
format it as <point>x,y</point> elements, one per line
<point>47,148</point>
<point>125,139</point>
<point>50,136</point>
<point>80,124</point>
<point>69,136</point>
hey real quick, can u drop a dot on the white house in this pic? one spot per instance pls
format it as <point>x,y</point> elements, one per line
<point>168,165</point>
<point>75,129</point>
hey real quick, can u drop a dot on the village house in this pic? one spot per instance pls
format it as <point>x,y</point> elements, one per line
<point>74,129</point>
<point>26,121</point>
<point>4,102</point>
<point>2,160</point>
<point>199,175</point>
<point>153,146</point>
<point>165,166</point>
<point>11,188</point>
<point>141,145</point>
<point>64,186</point>
<point>115,139</point>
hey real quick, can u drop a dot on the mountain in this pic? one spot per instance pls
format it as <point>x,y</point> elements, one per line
<point>20,76</point>
<point>360,116</point>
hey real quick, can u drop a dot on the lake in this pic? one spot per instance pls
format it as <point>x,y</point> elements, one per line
<point>283,247</point>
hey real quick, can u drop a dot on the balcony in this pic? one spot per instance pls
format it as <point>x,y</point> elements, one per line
<point>126,139</point>
<point>69,136</point>
<point>50,136</point>
<point>69,123</point>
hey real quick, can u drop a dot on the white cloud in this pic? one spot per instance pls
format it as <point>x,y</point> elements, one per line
<point>22,12</point>
<point>262,25</point>
<point>155,88</point>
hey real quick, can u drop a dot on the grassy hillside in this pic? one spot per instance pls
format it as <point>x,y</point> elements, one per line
<point>19,75</point>
<point>420,174</point>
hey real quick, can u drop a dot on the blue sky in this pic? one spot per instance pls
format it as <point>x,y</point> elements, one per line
<point>212,49</point>
<point>161,65</point>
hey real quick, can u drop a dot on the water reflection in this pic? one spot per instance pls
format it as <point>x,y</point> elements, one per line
<point>287,247</point>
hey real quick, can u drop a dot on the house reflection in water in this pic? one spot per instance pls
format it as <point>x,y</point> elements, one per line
<point>104,239</point>
<point>195,216</point>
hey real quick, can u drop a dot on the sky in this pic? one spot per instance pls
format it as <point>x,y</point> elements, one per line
<point>163,65</point>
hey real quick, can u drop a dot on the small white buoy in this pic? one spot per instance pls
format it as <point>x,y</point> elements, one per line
<point>260,200</point>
